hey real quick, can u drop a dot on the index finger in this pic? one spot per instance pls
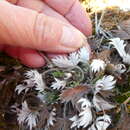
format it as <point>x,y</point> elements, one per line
<point>74,13</point>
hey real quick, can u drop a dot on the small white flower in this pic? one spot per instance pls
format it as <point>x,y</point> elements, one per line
<point>58,84</point>
<point>85,103</point>
<point>74,119</point>
<point>100,104</point>
<point>24,87</point>
<point>106,83</point>
<point>85,116</point>
<point>74,58</point>
<point>120,47</point>
<point>83,120</point>
<point>120,68</point>
<point>84,54</point>
<point>101,123</point>
<point>34,79</point>
<point>66,62</point>
<point>52,118</point>
<point>97,65</point>
<point>62,62</point>
<point>26,116</point>
<point>19,88</point>
<point>126,59</point>
<point>32,120</point>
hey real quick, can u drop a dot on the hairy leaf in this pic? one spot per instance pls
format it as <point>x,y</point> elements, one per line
<point>76,92</point>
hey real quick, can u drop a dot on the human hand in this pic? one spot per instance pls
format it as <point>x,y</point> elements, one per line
<point>47,25</point>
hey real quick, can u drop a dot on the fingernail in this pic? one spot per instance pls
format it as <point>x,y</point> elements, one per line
<point>72,38</point>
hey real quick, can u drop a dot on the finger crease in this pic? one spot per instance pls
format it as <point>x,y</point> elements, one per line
<point>70,8</point>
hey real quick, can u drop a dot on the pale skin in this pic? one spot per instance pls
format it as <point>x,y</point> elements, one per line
<point>52,26</point>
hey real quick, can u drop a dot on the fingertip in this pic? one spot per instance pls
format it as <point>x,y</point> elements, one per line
<point>31,58</point>
<point>28,57</point>
<point>72,38</point>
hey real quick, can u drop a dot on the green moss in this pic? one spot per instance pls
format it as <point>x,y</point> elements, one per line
<point>58,74</point>
<point>51,97</point>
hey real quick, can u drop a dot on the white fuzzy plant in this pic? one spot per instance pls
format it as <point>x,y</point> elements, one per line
<point>33,80</point>
<point>101,123</point>
<point>85,117</point>
<point>73,59</point>
<point>29,118</point>
<point>26,116</point>
<point>106,83</point>
<point>120,47</point>
<point>51,119</point>
<point>97,65</point>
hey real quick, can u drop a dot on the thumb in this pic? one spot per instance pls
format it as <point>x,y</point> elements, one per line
<point>27,28</point>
